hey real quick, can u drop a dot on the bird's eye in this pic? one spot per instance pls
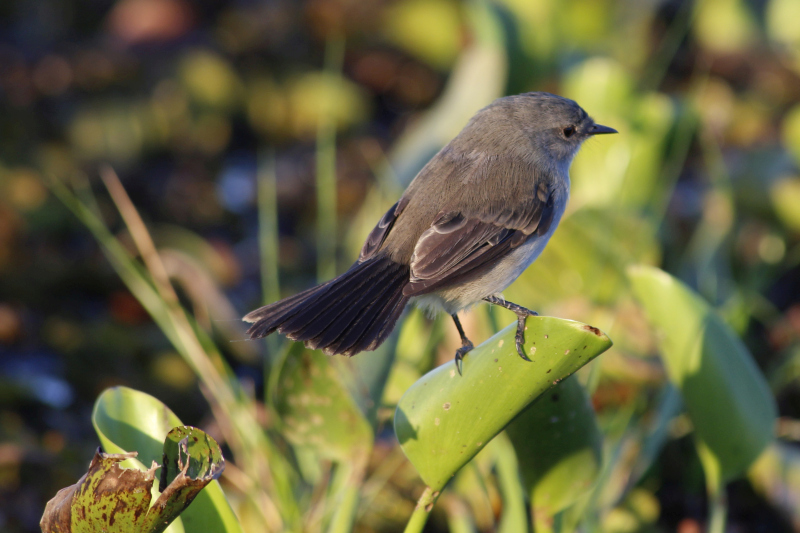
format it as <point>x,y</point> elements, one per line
<point>568,131</point>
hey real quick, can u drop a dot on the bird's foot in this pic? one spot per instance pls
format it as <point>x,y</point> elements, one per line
<point>460,353</point>
<point>522,313</point>
<point>519,338</point>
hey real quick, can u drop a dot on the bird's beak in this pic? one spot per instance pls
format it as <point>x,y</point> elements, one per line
<point>598,129</point>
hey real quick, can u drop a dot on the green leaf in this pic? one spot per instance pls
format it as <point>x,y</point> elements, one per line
<point>559,447</point>
<point>190,449</point>
<point>129,420</point>
<point>192,460</point>
<point>444,419</point>
<point>316,409</point>
<point>725,393</point>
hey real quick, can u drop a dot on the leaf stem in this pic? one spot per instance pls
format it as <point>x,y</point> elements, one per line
<point>326,168</point>
<point>718,503</point>
<point>346,509</point>
<point>423,510</point>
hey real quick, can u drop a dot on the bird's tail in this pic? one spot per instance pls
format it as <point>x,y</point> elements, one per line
<point>348,314</point>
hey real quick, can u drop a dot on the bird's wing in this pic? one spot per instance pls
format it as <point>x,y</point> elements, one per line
<point>459,246</point>
<point>381,230</point>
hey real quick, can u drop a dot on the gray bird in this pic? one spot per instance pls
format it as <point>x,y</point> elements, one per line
<point>466,227</point>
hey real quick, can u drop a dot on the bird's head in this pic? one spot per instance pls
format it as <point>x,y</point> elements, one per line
<point>555,126</point>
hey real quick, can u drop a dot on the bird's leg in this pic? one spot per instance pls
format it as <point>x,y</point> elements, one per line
<point>522,313</point>
<point>466,344</point>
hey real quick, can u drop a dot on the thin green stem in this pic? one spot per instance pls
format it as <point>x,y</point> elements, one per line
<point>268,239</point>
<point>268,227</point>
<point>718,503</point>
<point>326,168</point>
<point>346,510</point>
<point>423,510</point>
<point>514,517</point>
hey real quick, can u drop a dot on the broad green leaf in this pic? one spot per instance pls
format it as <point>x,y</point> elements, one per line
<point>129,420</point>
<point>726,395</point>
<point>444,419</point>
<point>316,409</point>
<point>559,447</point>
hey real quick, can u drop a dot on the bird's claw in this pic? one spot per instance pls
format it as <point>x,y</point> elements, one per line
<point>460,353</point>
<point>519,338</point>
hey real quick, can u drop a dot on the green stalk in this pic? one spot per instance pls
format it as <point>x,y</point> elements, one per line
<point>268,227</point>
<point>326,168</point>
<point>346,509</point>
<point>423,510</point>
<point>514,517</point>
<point>268,244</point>
<point>719,510</point>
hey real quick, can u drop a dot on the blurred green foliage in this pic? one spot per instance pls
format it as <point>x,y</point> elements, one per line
<point>218,116</point>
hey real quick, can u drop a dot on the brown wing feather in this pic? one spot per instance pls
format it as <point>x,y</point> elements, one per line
<point>457,247</point>
<point>381,230</point>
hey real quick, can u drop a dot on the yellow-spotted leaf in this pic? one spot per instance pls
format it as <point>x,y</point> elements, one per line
<point>127,420</point>
<point>316,409</point>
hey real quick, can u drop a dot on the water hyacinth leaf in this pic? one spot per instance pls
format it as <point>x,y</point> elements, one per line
<point>107,498</point>
<point>559,447</point>
<point>112,498</point>
<point>316,409</point>
<point>192,460</point>
<point>187,443</point>
<point>444,419</point>
<point>129,420</point>
<point>726,395</point>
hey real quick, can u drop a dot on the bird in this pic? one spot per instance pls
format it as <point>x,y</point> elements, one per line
<point>470,222</point>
